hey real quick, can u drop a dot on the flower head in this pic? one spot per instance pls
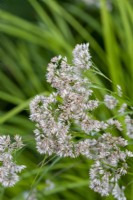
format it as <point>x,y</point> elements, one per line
<point>9,169</point>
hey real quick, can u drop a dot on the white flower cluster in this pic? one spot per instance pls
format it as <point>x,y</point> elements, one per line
<point>8,169</point>
<point>129,124</point>
<point>110,101</point>
<point>72,104</point>
<point>110,163</point>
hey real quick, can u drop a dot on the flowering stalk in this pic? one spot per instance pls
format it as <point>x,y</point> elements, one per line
<point>72,104</point>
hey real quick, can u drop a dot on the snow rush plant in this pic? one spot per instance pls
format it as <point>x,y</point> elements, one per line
<point>68,113</point>
<point>67,126</point>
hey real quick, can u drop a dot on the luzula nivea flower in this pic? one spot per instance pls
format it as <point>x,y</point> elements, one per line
<point>9,169</point>
<point>122,108</point>
<point>129,125</point>
<point>82,56</point>
<point>72,104</point>
<point>118,192</point>
<point>110,101</point>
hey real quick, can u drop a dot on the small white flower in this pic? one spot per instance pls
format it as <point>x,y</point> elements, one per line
<point>110,101</point>
<point>116,123</point>
<point>129,126</point>
<point>118,192</point>
<point>123,108</point>
<point>82,58</point>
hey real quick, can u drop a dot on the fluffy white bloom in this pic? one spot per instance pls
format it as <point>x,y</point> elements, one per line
<point>53,117</point>
<point>123,108</point>
<point>99,179</point>
<point>129,125</point>
<point>118,193</point>
<point>82,58</point>
<point>9,169</point>
<point>73,104</point>
<point>116,123</point>
<point>110,101</point>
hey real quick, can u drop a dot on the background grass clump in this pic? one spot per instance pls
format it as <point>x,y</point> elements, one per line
<point>31,33</point>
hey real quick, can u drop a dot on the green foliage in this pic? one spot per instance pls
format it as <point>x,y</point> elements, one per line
<point>27,44</point>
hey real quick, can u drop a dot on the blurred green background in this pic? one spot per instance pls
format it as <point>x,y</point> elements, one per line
<point>31,33</point>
